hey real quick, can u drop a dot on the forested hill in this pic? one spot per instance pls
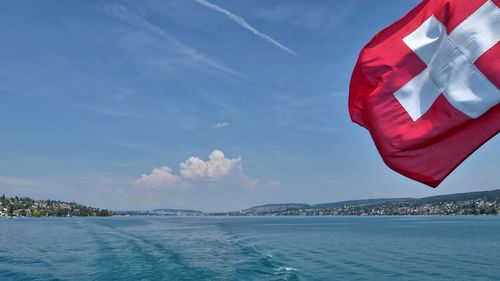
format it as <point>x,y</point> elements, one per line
<point>27,207</point>
<point>471,203</point>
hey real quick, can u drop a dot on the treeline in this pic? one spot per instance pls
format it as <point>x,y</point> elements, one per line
<point>27,207</point>
<point>472,203</point>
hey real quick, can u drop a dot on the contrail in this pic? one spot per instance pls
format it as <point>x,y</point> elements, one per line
<point>243,23</point>
<point>133,19</point>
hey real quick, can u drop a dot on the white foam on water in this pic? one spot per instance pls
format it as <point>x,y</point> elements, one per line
<point>286,268</point>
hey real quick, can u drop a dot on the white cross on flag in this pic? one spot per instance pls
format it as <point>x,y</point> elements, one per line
<point>427,87</point>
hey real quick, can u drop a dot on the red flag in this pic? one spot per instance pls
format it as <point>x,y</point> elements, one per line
<point>427,87</point>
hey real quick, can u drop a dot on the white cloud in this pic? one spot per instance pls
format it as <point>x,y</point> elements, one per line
<point>243,23</point>
<point>221,125</point>
<point>218,172</point>
<point>159,177</point>
<point>216,167</point>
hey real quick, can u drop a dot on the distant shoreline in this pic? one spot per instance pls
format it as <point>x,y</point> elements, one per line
<point>460,204</point>
<point>249,217</point>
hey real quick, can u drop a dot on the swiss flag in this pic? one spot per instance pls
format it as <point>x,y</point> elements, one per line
<point>427,87</point>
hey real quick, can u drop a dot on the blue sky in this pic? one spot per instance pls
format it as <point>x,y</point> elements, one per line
<point>119,104</point>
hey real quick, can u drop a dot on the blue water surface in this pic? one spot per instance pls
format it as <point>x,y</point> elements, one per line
<point>250,248</point>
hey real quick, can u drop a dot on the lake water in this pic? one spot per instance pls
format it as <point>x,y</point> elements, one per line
<point>250,248</point>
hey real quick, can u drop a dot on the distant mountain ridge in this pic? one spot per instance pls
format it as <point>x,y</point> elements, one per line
<point>470,203</point>
<point>177,212</point>
<point>361,202</point>
<point>276,207</point>
<point>291,206</point>
<point>481,202</point>
<point>160,212</point>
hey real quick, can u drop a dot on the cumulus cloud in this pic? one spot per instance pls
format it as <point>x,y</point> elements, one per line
<point>193,169</point>
<point>221,125</point>
<point>213,184</point>
<point>159,177</point>
<point>216,167</point>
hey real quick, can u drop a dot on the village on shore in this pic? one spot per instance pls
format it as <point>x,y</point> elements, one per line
<point>471,203</point>
<point>27,207</point>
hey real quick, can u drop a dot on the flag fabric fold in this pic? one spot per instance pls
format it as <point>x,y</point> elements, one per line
<point>427,87</point>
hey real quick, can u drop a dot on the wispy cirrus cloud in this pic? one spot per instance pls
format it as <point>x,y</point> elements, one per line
<point>221,125</point>
<point>243,23</point>
<point>127,16</point>
<point>10,181</point>
<point>318,113</point>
